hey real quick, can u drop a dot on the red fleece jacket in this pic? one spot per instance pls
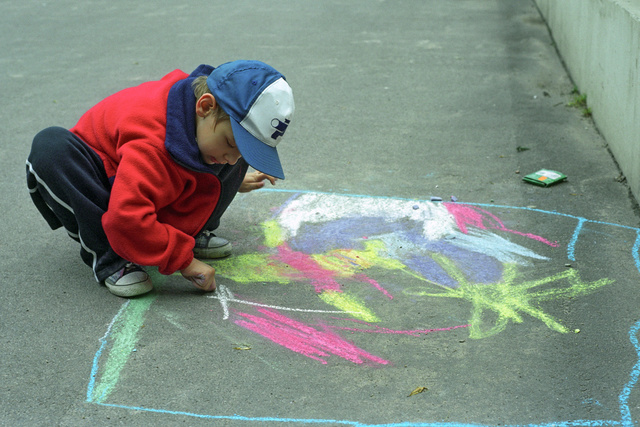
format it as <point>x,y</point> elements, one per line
<point>156,205</point>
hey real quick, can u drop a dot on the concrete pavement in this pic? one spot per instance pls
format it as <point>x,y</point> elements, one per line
<point>351,297</point>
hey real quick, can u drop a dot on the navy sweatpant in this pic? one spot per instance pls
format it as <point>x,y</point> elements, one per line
<point>70,188</point>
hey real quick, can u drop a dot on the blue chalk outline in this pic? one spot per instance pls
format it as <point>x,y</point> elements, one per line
<point>577,423</point>
<point>625,412</point>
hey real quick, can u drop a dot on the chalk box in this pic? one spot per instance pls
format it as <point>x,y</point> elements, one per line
<point>544,177</point>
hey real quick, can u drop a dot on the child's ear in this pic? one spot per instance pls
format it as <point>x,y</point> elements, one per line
<point>205,104</point>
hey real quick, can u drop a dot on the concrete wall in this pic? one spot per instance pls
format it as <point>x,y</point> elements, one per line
<point>599,40</point>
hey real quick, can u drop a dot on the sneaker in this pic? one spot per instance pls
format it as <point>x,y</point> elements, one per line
<point>210,246</point>
<point>130,281</point>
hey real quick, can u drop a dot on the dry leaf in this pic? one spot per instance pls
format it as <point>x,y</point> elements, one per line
<point>418,390</point>
<point>243,347</point>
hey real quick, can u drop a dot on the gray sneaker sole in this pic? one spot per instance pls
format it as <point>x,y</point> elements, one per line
<point>132,289</point>
<point>213,253</point>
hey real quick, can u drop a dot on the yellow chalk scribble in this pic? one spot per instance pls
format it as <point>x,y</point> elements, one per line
<point>348,303</point>
<point>348,262</point>
<point>253,268</point>
<point>508,298</point>
<point>273,234</point>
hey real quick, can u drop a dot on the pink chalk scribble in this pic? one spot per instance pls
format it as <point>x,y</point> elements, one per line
<point>381,330</point>
<point>321,279</point>
<point>305,339</point>
<point>471,215</point>
<point>374,283</point>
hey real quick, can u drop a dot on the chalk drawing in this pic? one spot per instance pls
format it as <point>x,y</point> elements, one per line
<point>358,255</point>
<point>313,342</point>
<point>426,243</point>
<point>225,296</point>
<point>121,336</point>
<point>466,216</point>
<point>510,297</point>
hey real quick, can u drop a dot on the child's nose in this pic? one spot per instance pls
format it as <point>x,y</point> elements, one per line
<point>234,157</point>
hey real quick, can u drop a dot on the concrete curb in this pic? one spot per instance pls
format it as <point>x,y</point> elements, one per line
<point>599,41</point>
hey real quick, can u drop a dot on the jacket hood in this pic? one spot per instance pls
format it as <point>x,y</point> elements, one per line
<point>180,140</point>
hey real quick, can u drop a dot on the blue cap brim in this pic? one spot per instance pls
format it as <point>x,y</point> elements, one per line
<point>259,155</point>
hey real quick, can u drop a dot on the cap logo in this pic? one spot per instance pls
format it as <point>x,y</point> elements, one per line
<point>280,127</point>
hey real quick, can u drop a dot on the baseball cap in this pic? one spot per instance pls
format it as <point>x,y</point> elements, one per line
<point>260,105</point>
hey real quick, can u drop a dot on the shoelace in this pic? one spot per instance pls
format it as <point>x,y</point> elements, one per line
<point>129,268</point>
<point>204,237</point>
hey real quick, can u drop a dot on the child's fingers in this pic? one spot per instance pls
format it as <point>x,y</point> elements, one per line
<point>202,275</point>
<point>203,282</point>
<point>263,176</point>
<point>254,181</point>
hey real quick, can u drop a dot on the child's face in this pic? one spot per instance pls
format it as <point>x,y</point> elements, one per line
<point>216,142</point>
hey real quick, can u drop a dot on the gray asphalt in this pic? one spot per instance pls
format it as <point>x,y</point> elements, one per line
<point>351,298</point>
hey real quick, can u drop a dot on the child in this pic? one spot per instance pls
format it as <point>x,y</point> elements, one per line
<point>145,175</point>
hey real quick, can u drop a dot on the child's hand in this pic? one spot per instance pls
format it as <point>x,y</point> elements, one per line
<point>201,275</point>
<point>254,180</point>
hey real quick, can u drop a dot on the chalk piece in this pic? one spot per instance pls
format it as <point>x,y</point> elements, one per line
<point>199,279</point>
<point>544,177</point>
<point>454,199</point>
<point>436,199</point>
<point>416,207</point>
